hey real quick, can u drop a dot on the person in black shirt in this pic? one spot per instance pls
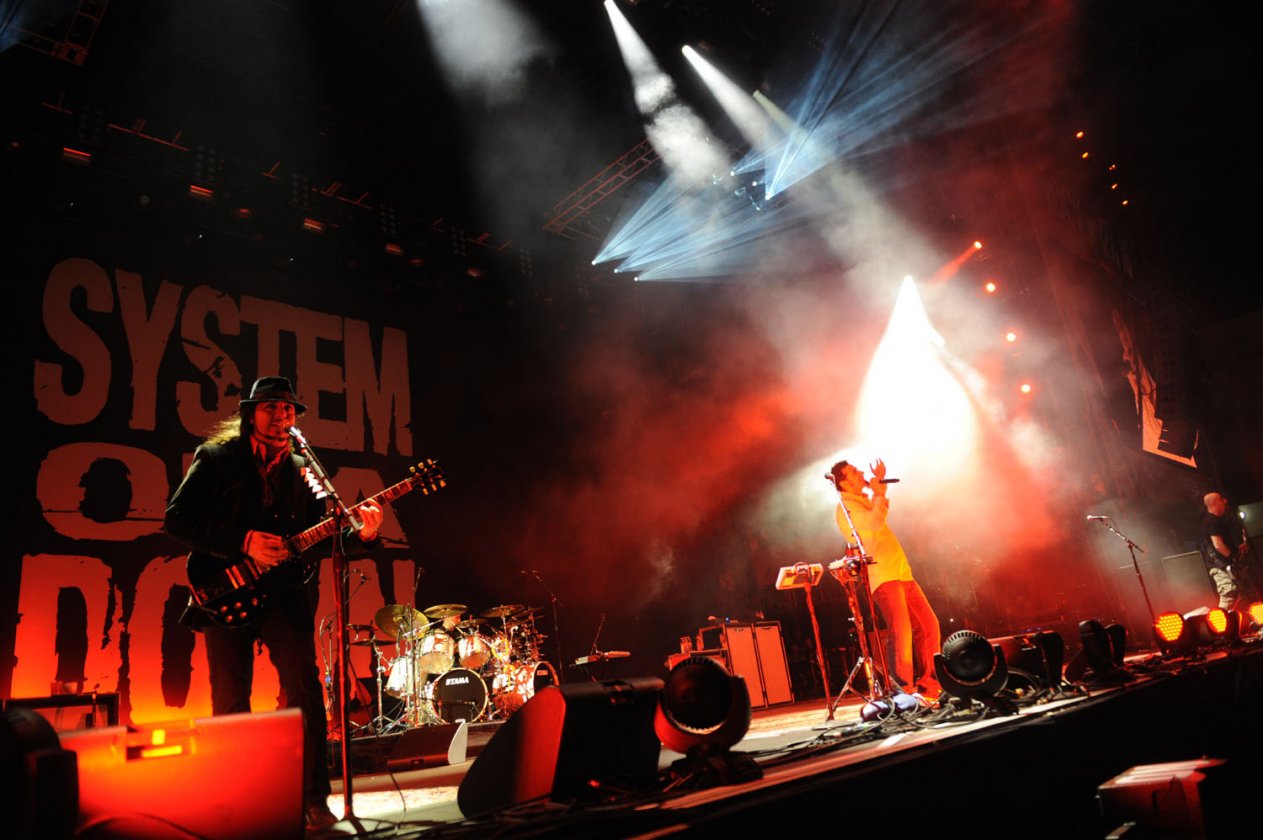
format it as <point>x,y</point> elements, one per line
<point>1225,544</point>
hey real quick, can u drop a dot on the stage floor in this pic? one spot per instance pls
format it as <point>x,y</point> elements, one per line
<point>1051,755</point>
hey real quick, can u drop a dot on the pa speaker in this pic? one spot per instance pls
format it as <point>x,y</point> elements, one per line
<point>566,741</point>
<point>232,776</point>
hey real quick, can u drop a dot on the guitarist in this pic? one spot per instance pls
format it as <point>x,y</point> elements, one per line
<point>241,493</point>
<point>1226,545</point>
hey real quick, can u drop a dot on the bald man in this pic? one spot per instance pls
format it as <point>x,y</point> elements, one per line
<point>1225,543</point>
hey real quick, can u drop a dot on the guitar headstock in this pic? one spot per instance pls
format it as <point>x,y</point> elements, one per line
<point>427,476</point>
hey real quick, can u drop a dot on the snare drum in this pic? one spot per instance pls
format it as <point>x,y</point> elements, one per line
<point>436,653</point>
<point>459,694</point>
<point>513,687</point>
<point>474,651</point>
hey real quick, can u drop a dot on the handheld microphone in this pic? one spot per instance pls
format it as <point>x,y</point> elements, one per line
<point>887,481</point>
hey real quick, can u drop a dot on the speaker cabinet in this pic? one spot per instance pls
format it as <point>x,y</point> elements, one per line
<point>773,664</point>
<point>566,741</point>
<point>233,776</point>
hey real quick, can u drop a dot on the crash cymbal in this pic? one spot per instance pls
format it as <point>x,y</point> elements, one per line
<point>393,616</point>
<point>471,624</point>
<point>439,612</point>
<point>503,611</point>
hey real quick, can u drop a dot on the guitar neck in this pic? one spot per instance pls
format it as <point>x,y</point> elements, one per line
<point>304,540</point>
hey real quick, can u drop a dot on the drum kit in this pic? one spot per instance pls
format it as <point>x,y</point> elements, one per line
<point>449,667</point>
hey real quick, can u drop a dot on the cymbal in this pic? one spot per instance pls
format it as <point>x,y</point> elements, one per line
<point>471,624</point>
<point>503,611</point>
<point>441,611</point>
<point>368,642</point>
<point>391,616</point>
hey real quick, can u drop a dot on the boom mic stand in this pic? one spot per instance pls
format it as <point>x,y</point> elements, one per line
<point>318,479</point>
<point>1131,547</point>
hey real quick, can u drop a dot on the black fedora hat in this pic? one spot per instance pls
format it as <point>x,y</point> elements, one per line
<point>273,389</point>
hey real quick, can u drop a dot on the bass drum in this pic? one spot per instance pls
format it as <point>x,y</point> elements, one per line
<point>515,685</point>
<point>459,694</point>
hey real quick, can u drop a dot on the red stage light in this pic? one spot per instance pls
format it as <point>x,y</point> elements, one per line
<point>1126,202</point>
<point>1026,388</point>
<point>1170,627</point>
<point>204,193</point>
<point>1079,135</point>
<point>1255,611</point>
<point>1217,621</point>
<point>990,287</point>
<point>977,245</point>
<point>313,225</point>
<point>1085,155</point>
<point>1010,336</point>
<point>394,250</point>
<point>1113,186</point>
<point>243,212</point>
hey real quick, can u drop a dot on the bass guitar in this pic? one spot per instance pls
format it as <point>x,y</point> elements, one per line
<point>233,596</point>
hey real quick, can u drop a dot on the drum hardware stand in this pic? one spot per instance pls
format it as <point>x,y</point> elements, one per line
<point>1131,547</point>
<point>556,602</point>
<point>807,576</point>
<point>319,480</point>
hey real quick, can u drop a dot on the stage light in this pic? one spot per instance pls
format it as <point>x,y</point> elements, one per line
<point>1255,612</point>
<point>1112,167</point>
<point>1113,186</point>
<point>1174,638</point>
<point>972,668</point>
<point>1026,387</point>
<point>1078,135</point>
<point>1010,336</point>
<point>1224,625</point>
<point>990,287</point>
<point>1085,155</point>
<point>313,225</point>
<point>1118,643</point>
<point>201,193</point>
<point>1126,202</point>
<point>703,712</point>
<point>977,245</point>
<point>394,249</point>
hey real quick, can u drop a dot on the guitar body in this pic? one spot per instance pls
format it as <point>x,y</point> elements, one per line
<point>233,591</point>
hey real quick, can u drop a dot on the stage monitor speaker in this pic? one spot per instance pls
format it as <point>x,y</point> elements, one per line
<point>39,792</point>
<point>229,777</point>
<point>429,746</point>
<point>565,742</point>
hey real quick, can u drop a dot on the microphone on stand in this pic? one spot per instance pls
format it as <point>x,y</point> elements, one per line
<point>1096,517</point>
<point>888,481</point>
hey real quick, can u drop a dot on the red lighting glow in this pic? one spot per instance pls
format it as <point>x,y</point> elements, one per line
<point>394,250</point>
<point>313,225</point>
<point>990,287</point>
<point>1010,336</point>
<point>1217,621</point>
<point>204,193</point>
<point>1026,388</point>
<point>1170,627</point>
<point>243,212</point>
<point>75,156</point>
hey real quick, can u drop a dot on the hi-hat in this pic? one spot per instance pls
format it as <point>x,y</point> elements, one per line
<point>393,616</point>
<point>503,611</point>
<point>441,611</point>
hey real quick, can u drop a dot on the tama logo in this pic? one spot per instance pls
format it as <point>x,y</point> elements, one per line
<point>456,681</point>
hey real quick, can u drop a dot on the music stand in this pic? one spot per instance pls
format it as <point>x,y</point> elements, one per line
<point>808,576</point>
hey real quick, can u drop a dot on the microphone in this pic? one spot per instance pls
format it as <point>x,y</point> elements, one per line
<point>888,481</point>
<point>1096,517</point>
<point>298,436</point>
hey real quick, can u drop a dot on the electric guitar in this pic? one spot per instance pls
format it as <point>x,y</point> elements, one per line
<point>234,595</point>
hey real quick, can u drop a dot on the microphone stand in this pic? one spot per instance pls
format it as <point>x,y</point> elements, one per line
<point>856,563</point>
<point>319,481</point>
<point>556,602</point>
<point>1131,547</point>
